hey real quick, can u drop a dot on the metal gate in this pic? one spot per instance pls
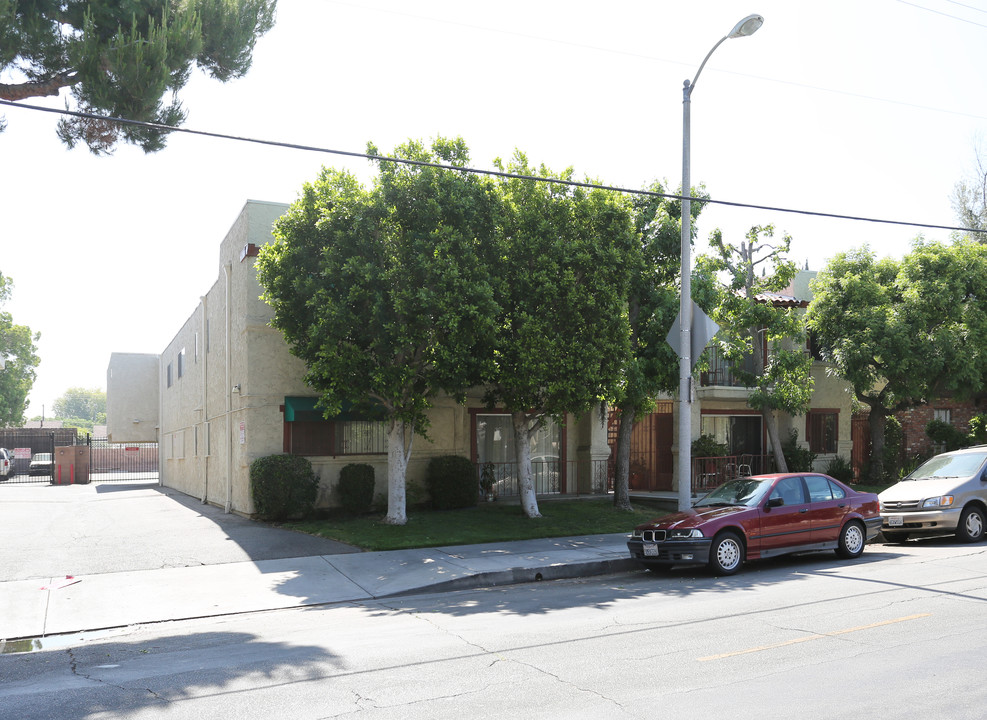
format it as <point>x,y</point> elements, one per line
<point>34,458</point>
<point>32,452</point>
<point>122,462</point>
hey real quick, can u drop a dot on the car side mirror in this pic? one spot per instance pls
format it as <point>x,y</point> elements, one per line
<point>775,502</point>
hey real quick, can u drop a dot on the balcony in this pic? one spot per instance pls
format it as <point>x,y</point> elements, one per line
<point>720,371</point>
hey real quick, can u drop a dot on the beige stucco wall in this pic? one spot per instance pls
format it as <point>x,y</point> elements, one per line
<point>226,408</point>
<point>132,397</point>
<point>210,412</point>
<point>829,393</point>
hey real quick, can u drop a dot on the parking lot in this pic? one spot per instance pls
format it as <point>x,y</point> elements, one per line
<point>49,530</point>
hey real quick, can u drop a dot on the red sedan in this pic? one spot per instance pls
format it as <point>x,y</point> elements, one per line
<point>758,517</point>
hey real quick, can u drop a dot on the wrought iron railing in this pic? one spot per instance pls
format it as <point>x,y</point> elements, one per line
<point>551,477</point>
<point>708,472</point>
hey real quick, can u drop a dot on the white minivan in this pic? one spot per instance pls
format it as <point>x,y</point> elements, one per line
<point>945,495</point>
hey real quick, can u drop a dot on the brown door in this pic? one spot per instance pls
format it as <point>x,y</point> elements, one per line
<point>651,449</point>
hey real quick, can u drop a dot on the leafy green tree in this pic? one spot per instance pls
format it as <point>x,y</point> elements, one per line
<point>754,329</point>
<point>903,333</point>
<point>384,292</point>
<point>969,198</point>
<point>122,58</point>
<point>562,339</point>
<point>652,306</point>
<point>81,407</point>
<point>18,362</point>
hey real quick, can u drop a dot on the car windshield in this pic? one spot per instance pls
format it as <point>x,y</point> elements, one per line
<point>43,456</point>
<point>742,491</point>
<point>949,466</point>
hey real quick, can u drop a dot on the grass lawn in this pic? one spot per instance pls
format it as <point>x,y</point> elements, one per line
<point>487,522</point>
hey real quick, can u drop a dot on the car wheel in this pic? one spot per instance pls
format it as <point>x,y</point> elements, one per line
<point>726,554</point>
<point>894,537</point>
<point>971,527</point>
<point>852,540</point>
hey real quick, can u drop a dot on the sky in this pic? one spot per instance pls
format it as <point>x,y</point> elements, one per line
<point>869,108</point>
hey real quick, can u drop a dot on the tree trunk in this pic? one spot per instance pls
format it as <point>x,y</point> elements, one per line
<point>622,465</point>
<point>771,425</point>
<point>522,447</point>
<point>397,471</point>
<point>877,421</point>
<point>767,414</point>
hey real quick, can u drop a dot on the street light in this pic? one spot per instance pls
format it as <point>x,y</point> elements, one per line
<point>747,26</point>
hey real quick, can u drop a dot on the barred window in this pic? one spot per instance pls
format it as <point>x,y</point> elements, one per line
<point>306,432</point>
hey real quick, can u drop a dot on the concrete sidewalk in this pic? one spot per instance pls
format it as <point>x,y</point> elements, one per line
<point>78,558</point>
<point>31,608</point>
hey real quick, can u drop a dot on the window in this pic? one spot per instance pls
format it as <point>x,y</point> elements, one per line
<point>740,433</point>
<point>169,375</point>
<point>494,434</point>
<point>307,432</point>
<point>822,431</point>
<point>181,362</point>
<point>821,489</point>
<point>790,490</point>
<point>335,437</point>
<point>943,415</point>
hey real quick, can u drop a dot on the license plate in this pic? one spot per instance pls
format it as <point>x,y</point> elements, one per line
<point>895,521</point>
<point>650,550</point>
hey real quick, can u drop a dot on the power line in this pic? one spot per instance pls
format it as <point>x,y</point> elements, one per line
<point>476,171</point>
<point>940,12</point>
<point>969,7</point>
<point>688,65</point>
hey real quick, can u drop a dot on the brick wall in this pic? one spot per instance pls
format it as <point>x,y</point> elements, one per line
<point>913,422</point>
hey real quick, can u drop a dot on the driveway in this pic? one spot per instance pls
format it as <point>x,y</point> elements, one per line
<point>53,530</point>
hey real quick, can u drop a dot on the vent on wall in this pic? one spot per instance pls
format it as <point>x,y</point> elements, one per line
<point>249,250</point>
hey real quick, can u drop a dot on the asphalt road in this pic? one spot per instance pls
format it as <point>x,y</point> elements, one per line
<point>897,632</point>
<point>51,530</point>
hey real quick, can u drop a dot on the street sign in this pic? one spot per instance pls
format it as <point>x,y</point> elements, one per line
<point>703,330</point>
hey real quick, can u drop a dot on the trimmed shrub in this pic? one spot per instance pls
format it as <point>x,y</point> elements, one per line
<point>283,486</point>
<point>452,482</point>
<point>798,458</point>
<point>942,434</point>
<point>356,488</point>
<point>840,468</point>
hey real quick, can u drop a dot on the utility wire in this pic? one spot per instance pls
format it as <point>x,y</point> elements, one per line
<point>940,12</point>
<point>970,7</point>
<point>476,171</point>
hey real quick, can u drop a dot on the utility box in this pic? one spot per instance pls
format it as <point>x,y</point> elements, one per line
<point>71,465</point>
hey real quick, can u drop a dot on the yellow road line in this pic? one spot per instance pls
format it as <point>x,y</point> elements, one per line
<point>814,636</point>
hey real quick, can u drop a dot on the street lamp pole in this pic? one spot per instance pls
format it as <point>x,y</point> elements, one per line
<point>747,26</point>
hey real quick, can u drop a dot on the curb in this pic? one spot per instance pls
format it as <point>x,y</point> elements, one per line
<point>522,575</point>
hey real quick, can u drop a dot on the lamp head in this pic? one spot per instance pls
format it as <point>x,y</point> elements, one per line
<point>747,26</point>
